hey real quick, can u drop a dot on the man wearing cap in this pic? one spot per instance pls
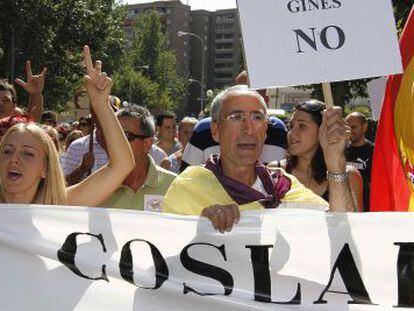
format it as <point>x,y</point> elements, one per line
<point>235,181</point>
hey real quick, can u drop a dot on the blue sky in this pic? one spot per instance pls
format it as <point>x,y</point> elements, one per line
<point>210,5</point>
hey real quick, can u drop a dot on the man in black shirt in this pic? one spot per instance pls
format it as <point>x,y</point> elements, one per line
<point>359,151</point>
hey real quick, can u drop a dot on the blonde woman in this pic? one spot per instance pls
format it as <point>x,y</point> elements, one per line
<point>30,171</point>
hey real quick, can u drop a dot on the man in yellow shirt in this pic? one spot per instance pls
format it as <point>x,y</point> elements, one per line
<point>235,180</point>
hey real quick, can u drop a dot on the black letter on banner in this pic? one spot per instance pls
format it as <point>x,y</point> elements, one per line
<point>126,265</point>
<point>204,269</point>
<point>300,33</point>
<point>296,8</point>
<point>324,38</point>
<point>346,266</point>
<point>262,282</point>
<point>66,255</point>
<point>405,266</point>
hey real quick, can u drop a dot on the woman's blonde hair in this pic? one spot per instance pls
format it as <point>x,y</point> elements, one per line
<point>52,189</point>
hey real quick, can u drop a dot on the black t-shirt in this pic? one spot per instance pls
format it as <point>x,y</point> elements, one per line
<point>361,159</point>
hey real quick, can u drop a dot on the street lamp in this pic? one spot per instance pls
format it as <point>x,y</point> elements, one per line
<point>203,46</point>
<point>202,91</point>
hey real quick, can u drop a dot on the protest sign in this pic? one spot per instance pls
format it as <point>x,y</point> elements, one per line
<point>299,42</point>
<point>376,92</point>
<point>75,258</point>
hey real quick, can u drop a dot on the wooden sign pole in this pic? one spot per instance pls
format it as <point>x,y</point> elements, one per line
<point>327,94</point>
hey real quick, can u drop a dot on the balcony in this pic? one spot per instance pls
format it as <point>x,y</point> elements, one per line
<point>223,80</point>
<point>224,60</point>
<point>224,70</point>
<point>226,20</point>
<point>224,40</point>
<point>224,51</point>
<point>224,31</point>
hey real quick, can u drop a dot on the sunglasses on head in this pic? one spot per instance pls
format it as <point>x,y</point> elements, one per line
<point>131,136</point>
<point>311,106</point>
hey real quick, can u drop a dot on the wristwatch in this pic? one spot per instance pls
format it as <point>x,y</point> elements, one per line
<point>340,178</point>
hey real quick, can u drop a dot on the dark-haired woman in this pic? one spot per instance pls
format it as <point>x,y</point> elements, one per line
<point>306,159</point>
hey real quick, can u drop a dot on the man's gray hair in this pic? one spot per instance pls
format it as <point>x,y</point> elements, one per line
<point>141,114</point>
<point>221,97</point>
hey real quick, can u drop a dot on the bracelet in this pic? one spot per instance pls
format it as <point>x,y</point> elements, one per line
<point>340,178</point>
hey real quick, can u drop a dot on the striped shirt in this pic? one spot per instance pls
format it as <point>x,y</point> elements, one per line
<point>72,158</point>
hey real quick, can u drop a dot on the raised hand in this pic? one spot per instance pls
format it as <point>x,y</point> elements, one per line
<point>35,83</point>
<point>334,134</point>
<point>98,84</point>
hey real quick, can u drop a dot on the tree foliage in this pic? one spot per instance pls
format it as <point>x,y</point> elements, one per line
<point>150,56</point>
<point>133,86</point>
<point>401,11</point>
<point>51,33</point>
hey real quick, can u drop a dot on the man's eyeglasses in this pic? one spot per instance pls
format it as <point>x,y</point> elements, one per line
<point>131,136</point>
<point>238,117</point>
<point>84,124</point>
<point>311,105</point>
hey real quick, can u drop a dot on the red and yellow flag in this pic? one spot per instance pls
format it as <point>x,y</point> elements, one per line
<point>392,176</point>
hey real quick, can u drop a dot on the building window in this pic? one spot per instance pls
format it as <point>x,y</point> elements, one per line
<point>224,55</point>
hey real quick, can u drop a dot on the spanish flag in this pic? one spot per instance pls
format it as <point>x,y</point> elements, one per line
<point>392,176</point>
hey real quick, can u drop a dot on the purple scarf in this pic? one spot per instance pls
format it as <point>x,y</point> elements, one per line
<point>275,183</point>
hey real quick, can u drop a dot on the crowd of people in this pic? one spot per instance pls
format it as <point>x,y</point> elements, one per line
<point>237,159</point>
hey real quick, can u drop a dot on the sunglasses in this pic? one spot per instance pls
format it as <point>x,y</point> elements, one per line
<point>131,136</point>
<point>311,105</point>
<point>84,124</point>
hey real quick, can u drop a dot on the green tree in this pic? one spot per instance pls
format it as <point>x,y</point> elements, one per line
<point>51,33</point>
<point>401,11</point>
<point>149,50</point>
<point>133,86</point>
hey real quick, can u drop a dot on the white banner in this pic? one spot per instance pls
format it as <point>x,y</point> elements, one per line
<point>298,42</point>
<point>66,258</point>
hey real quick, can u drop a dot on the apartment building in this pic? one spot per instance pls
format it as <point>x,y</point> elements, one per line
<point>174,17</point>
<point>220,31</point>
<point>217,32</point>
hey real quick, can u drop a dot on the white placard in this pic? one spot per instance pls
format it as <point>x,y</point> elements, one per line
<point>76,258</point>
<point>376,92</point>
<point>299,42</point>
